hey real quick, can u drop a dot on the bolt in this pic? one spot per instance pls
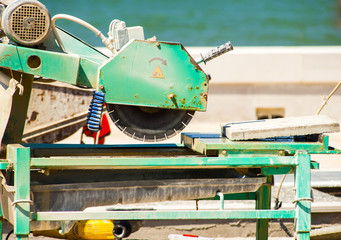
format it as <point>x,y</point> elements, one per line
<point>204,95</point>
<point>157,44</point>
<point>171,95</point>
<point>101,87</point>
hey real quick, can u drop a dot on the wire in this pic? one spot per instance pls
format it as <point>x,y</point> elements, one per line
<point>98,33</point>
<point>280,186</point>
<point>327,99</point>
<point>9,234</point>
<point>277,202</point>
<point>278,205</point>
<point>285,229</point>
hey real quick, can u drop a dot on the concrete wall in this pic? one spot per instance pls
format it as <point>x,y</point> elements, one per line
<point>294,79</point>
<point>275,65</point>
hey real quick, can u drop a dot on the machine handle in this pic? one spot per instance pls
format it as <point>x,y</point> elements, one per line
<point>215,52</point>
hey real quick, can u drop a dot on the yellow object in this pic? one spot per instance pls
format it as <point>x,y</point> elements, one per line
<point>157,73</point>
<point>93,229</point>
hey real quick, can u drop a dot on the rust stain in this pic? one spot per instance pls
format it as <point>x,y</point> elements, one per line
<point>33,117</point>
<point>8,55</point>
<point>42,94</point>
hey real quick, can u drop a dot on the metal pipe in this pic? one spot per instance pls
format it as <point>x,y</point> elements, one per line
<point>121,229</point>
<point>221,198</point>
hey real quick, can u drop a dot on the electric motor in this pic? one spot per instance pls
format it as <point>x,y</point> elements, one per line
<point>26,22</point>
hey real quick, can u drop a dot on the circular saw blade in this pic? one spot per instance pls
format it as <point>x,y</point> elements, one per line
<point>149,124</point>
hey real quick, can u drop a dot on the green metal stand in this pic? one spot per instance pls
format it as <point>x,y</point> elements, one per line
<point>270,158</point>
<point>263,201</point>
<point>303,196</point>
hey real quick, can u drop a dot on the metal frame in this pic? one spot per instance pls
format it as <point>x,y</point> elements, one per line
<point>19,158</point>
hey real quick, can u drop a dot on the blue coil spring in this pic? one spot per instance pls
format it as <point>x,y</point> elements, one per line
<point>95,111</point>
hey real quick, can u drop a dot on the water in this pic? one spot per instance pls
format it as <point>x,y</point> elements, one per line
<point>209,23</point>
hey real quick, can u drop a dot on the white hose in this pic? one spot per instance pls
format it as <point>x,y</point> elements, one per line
<point>98,33</point>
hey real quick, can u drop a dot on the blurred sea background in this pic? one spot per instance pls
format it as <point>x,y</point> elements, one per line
<point>210,23</point>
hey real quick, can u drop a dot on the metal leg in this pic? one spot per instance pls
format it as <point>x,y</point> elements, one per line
<point>303,196</point>
<point>1,222</point>
<point>22,237</point>
<point>21,163</point>
<point>263,201</point>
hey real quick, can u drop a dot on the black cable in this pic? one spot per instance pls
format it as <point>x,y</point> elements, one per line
<point>285,229</point>
<point>278,205</point>
<point>9,234</point>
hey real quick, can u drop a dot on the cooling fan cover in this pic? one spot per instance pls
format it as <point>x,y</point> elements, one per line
<point>26,22</point>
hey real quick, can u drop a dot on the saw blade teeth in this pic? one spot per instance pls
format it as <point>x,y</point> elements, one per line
<point>109,112</point>
<point>149,124</point>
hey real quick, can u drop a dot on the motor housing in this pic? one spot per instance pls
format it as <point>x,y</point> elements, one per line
<point>26,22</point>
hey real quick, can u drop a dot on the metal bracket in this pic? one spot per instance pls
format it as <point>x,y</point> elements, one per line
<point>13,85</point>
